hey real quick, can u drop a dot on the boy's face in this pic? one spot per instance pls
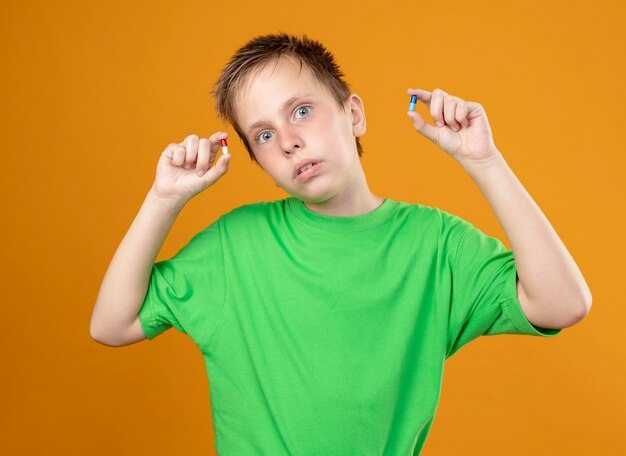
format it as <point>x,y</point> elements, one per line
<point>289,118</point>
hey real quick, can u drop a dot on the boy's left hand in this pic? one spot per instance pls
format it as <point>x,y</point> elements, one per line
<point>464,132</point>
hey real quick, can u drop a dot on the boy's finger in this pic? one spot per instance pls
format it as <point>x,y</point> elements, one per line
<point>422,95</point>
<point>207,151</point>
<point>215,141</point>
<point>436,107</point>
<point>191,149</point>
<point>218,170</point>
<point>170,149</point>
<point>178,156</point>
<point>204,153</point>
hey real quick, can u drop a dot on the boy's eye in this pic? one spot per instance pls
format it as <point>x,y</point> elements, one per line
<point>263,136</point>
<point>267,135</point>
<point>303,110</point>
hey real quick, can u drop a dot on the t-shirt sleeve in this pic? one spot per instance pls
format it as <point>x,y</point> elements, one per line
<point>484,290</point>
<point>188,290</point>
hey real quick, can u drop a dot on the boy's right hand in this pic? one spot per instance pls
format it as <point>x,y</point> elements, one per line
<point>182,169</point>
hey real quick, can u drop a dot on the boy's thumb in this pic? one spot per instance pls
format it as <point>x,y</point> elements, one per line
<point>423,127</point>
<point>217,171</point>
<point>223,163</point>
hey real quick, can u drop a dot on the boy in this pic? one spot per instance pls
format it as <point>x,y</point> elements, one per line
<point>325,318</point>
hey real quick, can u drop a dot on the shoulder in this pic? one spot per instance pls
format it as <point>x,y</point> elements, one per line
<point>257,209</point>
<point>413,210</point>
<point>253,215</point>
<point>447,227</point>
<point>431,216</point>
<point>462,238</point>
<point>452,222</point>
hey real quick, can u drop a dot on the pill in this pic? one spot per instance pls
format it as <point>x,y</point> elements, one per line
<point>413,103</point>
<point>224,145</point>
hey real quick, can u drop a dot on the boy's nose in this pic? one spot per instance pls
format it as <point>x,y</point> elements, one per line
<point>291,141</point>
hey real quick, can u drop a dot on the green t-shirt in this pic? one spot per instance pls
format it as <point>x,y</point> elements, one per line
<point>327,335</point>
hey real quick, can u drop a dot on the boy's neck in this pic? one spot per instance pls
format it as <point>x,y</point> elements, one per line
<point>348,204</point>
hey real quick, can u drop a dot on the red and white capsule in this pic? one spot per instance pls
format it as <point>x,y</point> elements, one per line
<point>224,146</point>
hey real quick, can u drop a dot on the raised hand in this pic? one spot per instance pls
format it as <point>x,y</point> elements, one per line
<point>184,169</point>
<point>462,127</point>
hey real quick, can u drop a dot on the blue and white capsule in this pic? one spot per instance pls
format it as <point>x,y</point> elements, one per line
<point>413,103</point>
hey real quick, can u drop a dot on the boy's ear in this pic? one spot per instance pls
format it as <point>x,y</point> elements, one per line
<point>357,112</point>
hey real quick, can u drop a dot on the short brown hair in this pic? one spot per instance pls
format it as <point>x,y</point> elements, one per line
<point>265,48</point>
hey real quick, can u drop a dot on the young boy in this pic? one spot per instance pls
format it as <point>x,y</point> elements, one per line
<point>325,318</point>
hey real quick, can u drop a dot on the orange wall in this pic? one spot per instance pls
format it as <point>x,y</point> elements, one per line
<point>94,91</point>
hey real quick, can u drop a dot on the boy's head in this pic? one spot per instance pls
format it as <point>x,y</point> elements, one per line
<point>262,50</point>
<point>288,103</point>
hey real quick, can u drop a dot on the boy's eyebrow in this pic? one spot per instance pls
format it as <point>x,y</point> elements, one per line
<point>284,107</point>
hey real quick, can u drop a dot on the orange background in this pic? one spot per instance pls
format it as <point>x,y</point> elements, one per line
<point>94,91</point>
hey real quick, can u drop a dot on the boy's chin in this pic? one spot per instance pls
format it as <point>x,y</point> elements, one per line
<point>313,198</point>
<point>312,192</point>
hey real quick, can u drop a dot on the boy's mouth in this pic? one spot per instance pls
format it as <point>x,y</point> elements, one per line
<point>304,166</point>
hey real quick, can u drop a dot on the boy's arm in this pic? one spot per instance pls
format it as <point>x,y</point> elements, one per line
<point>183,171</point>
<point>550,288</point>
<point>115,320</point>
